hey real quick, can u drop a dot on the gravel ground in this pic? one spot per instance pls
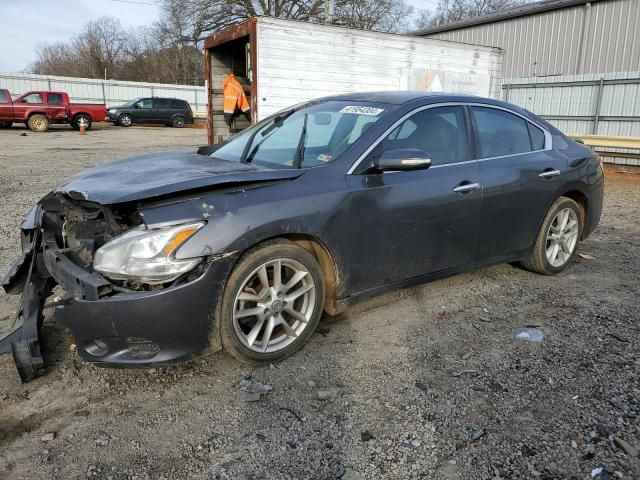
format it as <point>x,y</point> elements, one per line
<point>422,383</point>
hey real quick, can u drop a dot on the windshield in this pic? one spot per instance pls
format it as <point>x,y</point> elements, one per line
<point>308,136</point>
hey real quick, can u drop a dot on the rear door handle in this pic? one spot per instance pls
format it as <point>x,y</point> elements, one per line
<point>549,173</point>
<point>466,187</point>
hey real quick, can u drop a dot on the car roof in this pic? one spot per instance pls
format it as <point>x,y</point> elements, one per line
<point>400,97</point>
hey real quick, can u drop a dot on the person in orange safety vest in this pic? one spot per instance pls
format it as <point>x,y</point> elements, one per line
<point>234,98</point>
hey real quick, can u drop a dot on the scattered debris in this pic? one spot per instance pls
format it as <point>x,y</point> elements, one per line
<point>586,256</point>
<point>596,471</point>
<point>476,434</point>
<point>254,397</point>
<point>48,437</point>
<point>528,334</point>
<point>249,385</point>
<point>618,337</point>
<point>366,436</point>
<point>628,448</point>
<point>292,412</point>
<point>326,394</point>
<point>422,386</point>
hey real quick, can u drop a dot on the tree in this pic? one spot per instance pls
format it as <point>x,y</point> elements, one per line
<point>101,45</point>
<point>194,20</point>
<point>448,11</point>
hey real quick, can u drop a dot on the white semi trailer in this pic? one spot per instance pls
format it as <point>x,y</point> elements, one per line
<point>284,62</point>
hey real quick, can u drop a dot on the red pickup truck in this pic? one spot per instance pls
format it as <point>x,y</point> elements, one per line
<point>38,110</point>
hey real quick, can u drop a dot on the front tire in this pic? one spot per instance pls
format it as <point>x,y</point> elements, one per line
<point>38,123</point>
<point>272,303</point>
<point>178,122</point>
<point>125,120</point>
<point>557,240</point>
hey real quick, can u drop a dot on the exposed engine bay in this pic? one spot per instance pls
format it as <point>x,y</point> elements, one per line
<point>79,228</point>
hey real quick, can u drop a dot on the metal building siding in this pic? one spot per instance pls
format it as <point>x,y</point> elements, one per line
<point>549,43</point>
<point>527,41</point>
<point>299,61</point>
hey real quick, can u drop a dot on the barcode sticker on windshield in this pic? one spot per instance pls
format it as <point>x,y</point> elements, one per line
<point>371,111</point>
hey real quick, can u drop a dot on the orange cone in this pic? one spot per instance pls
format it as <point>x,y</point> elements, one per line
<point>83,130</point>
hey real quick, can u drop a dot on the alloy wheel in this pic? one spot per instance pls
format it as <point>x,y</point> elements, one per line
<point>562,237</point>
<point>274,305</point>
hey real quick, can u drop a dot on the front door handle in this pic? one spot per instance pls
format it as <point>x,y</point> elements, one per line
<point>466,187</point>
<point>549,173</point>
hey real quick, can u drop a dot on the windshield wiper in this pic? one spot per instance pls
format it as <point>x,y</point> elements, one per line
<point>299,156</point>
<point>277,123</point>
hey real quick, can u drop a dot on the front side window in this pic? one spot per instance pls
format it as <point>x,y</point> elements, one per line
<point>440,132</point>
<point>32,98</point>
<point>308,136</point>
<point>502,133</point>
<point>145,104</point>
<point>4,97</point>
<point>54,99</point>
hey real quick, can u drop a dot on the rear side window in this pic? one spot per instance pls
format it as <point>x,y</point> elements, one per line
<point>537,137</point>
<point>163,103</point>
<point>500,133</point>
<point>180,104</point>
<point>4,97</point>
<point>54,99</point>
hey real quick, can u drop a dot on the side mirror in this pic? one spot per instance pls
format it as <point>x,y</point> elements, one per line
<point>403,159</point>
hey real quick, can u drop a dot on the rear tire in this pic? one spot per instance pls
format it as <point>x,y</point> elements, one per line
<point>557,241</point>
<point>125,120</point>
<point>6,124</point>
<point>81,118</point>
<point>252,314</point>
<point>38,123</point>
<point>178,122</point>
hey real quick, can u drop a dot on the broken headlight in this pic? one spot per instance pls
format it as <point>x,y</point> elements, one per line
<point>146,256</point>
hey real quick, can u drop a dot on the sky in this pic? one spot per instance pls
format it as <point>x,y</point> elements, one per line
<point>48,21</point>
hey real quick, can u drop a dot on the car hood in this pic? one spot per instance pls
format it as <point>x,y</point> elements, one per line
<point>161,174</point>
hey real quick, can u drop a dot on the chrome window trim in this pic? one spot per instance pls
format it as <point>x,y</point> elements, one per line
<point>548,141</point>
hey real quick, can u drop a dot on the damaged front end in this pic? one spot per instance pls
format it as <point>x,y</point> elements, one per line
<point>54,233</point>
<point>116,319</point>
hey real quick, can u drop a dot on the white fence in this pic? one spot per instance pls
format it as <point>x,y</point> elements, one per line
<point>109,92</point>
<point>592,106</point>
<point>589,104</point>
